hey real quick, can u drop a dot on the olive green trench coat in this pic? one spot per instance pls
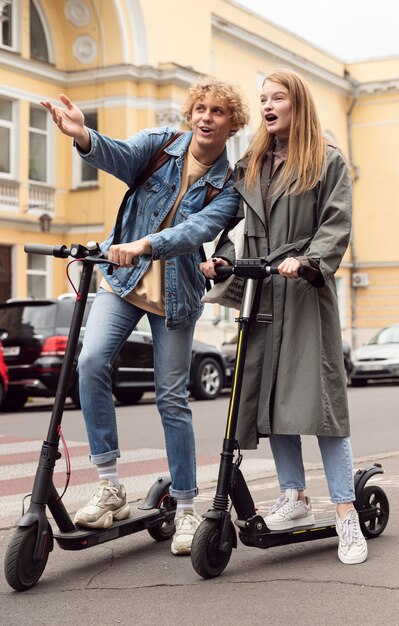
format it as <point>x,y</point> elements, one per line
<point>294,381</point>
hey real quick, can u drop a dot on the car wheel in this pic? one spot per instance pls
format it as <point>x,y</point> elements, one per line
<point>128,396</point>
<point>358,382</point>
<point>208,380</point>
<point>14,402</point>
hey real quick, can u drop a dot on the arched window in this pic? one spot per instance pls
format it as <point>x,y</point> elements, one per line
<point>38,42</point>
<point>6,23</point>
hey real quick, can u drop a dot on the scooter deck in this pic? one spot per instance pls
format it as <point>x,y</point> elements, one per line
<point>265,538</point>
<point>138,520</point>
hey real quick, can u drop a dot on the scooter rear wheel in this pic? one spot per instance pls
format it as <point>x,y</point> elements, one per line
<point>374,497</point>
<point>21,571</point>
<point>166,528</point>
<point>206,557</point>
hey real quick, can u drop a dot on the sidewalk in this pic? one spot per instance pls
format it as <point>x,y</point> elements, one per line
<point>135,580</point>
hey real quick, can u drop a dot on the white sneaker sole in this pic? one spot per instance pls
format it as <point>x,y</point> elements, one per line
<point>182,549</point>
<point>106,520</point>
<point>309,520</point>
<point>351,559</point>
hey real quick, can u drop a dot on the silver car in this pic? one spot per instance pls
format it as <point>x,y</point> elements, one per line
<point>378,359</point>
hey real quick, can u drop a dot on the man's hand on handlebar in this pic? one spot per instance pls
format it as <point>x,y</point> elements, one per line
<point>289,268</point>
<point>208,267</point>
<point>126,254</point>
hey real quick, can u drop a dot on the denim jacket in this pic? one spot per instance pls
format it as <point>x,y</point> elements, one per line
<point>146,209</point>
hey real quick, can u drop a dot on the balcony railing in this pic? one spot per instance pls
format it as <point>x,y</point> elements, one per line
<point>40,198</point>
<point>9,195</point>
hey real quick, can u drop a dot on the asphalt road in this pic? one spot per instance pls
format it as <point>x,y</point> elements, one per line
<point>135,580</point>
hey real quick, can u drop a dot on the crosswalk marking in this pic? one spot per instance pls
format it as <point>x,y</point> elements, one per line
<point>138,470</point>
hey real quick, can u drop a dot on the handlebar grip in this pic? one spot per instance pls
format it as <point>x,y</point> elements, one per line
<point>243,270</point>
<point>224,270</point>
<point>38,248</point>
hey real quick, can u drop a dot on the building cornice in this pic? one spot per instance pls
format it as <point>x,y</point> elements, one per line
<point>174,74</point>
<point>258,45</point>
<point>379,87</point>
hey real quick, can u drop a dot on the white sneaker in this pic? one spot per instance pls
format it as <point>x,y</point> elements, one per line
<point>186,522</point>
<point>289,512</point>
<point>352,547</point>
<point>107,504</point>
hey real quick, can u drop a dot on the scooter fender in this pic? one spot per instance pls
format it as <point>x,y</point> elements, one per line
<point>224,519</point>
<point>44,532</point>
<point>158,490</point>
<point>361,478</point>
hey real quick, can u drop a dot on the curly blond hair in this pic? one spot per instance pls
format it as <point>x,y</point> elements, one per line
<point>225,92</point>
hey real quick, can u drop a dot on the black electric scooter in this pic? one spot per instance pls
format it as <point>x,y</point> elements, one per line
<point>33,540</point>
<point>216,537</point>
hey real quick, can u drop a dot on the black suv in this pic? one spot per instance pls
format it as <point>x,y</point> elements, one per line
<point>34,335</point>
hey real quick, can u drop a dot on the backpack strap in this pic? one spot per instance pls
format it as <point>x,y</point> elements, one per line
<point>213,192</point>
<point>158,160</point>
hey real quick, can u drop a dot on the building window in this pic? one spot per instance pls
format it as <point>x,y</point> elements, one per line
<point>38,138</point>
<point>38,41</point>
<point>85,175</point>
<point>6,23</point>
<point>237,145</point>
<point>6,136</point>
<point>38,276</point>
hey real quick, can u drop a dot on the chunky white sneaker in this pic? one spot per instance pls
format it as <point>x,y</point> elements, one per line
<point>289,512</point>
<point>352,547</point>
<point>186,522</point>
<point>107,504</point>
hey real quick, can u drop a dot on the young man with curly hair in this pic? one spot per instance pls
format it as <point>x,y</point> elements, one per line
<point>156,243</point>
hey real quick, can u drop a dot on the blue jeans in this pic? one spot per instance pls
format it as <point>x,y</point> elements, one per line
<point>336,453</point>
<point>110,322</point>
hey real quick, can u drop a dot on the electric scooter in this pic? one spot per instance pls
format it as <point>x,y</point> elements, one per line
<point>216,536</point>
<point>27,553</point>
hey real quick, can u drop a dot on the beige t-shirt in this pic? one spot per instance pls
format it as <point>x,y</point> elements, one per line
<point>149,293</point>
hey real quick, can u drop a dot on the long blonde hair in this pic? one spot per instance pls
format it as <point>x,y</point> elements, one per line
<point>307,148</point>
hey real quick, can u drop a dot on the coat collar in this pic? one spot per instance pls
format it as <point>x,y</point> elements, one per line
<point>253,197</point>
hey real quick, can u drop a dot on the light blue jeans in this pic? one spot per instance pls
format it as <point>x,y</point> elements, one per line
<point>336,453</point>
<point>110,322</point>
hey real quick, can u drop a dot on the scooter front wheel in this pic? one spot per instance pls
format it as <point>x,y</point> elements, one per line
<point>21,570</point>
<point>373,497</point>
<point>207,558</point>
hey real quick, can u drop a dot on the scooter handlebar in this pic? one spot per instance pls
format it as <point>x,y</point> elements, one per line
<point>90,253</point>
<point>39,248</point>
<point>246,268</point>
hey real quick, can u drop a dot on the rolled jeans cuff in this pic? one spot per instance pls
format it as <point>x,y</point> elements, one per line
<point>183,495</point>
<point>106,457</point>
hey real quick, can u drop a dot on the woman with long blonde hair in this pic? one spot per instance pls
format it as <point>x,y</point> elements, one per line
<point>295,193</point>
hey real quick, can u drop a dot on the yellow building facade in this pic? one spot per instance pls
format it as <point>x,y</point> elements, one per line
<point>127,65</point>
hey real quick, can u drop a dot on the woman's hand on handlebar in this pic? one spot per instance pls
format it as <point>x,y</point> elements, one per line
<point>290,267</point>
<point>208,267</point>
<point>126,254</point>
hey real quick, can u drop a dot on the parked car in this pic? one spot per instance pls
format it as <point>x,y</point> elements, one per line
<point>3,375</point>
<point>229,353</point>
<point>378,359</point>
<point>35,338</point>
